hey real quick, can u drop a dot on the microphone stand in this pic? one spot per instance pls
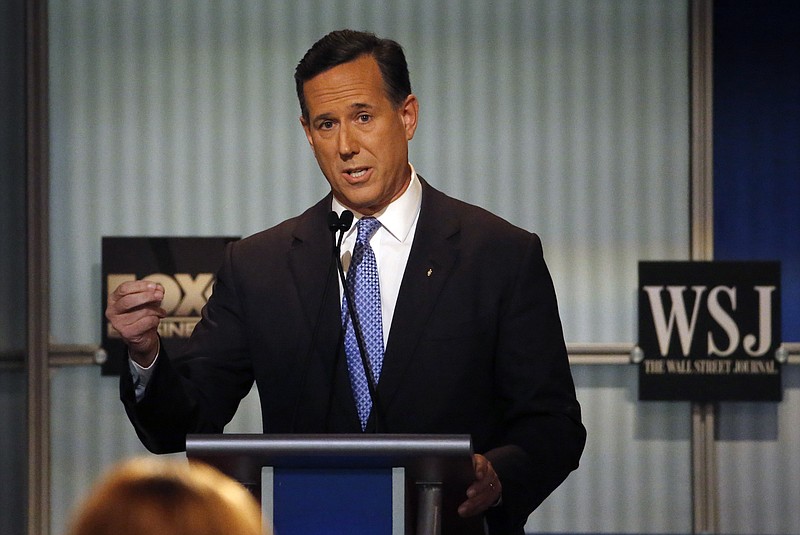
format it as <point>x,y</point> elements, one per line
<point>345,222</point>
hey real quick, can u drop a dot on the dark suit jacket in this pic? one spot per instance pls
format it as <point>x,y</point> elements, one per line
<point>475,347</point>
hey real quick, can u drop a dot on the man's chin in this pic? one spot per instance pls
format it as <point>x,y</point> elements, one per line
<point>362,204</point>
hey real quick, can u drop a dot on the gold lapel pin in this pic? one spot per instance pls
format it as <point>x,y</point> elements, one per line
<point>430,271</point>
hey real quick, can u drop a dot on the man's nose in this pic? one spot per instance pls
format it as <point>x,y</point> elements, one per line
<point>348,141</point>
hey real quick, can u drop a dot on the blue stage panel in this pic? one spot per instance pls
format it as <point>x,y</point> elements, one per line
<point>332,501</point>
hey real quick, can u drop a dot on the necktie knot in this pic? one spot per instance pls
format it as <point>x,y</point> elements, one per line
<point>367,226</point>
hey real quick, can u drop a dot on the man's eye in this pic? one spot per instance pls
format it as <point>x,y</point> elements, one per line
<point>363,118</point>
<point>326,125</point>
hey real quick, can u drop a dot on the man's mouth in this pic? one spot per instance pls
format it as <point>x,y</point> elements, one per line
<point>356,173</point>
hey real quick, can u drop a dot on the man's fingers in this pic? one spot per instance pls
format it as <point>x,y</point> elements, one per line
<point>134,310</point>
<point>484,492</point>
<point>131,295</point>
<point>133,324</point>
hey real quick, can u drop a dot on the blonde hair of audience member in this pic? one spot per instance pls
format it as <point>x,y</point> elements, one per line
<point>148,496</point>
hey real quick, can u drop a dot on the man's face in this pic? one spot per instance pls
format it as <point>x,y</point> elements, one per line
<point>359,138</point>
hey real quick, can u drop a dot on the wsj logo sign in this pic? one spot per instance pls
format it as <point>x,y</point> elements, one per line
<point>709,330</point>
<point>679,320</point>
<point>184,297</point>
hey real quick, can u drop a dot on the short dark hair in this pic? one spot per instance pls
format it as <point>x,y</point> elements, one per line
<point>343,46</point>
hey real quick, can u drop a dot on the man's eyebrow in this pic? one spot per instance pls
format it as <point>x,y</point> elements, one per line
<point>361,106</point>
<point>321,117</point>
<point>356,106</point>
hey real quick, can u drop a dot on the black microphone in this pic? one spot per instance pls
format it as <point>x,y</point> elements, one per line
<point>335,223</point>
<point>340,223</point>
<point>343,225</point>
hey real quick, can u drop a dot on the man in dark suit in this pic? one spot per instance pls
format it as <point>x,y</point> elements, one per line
<point>467,329</point>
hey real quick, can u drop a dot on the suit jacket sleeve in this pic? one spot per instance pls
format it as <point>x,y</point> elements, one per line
<point>543,437</point>
<point>199,391</point>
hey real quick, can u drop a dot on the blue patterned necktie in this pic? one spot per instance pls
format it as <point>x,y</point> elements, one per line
<point>362,281</point>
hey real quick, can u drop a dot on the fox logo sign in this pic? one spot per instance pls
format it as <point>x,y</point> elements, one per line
<point>185,266</point>
<point>709,331</point>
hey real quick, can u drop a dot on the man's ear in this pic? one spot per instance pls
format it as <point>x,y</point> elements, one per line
<point>409,113</point>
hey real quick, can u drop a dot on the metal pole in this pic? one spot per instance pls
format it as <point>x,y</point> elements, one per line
<point>38,326</point>
<point>429,512</point>
<point>704,474</point>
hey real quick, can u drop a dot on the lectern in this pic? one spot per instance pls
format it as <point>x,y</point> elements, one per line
<point>306,480</point>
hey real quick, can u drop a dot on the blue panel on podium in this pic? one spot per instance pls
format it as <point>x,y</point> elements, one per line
<point>332,501</point>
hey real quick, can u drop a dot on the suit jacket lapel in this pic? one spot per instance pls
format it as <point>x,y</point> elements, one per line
<point>310,257</point>
<point>432,260</point>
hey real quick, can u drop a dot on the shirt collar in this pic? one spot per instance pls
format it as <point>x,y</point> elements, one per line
<point>397,218</point>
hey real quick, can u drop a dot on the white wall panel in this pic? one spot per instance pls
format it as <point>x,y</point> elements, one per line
<point>569,118</point>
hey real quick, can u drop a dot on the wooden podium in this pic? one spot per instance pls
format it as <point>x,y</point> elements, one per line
<point>375,484</point>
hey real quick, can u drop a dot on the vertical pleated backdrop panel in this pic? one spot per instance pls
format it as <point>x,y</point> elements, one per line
<point>567,117</point>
